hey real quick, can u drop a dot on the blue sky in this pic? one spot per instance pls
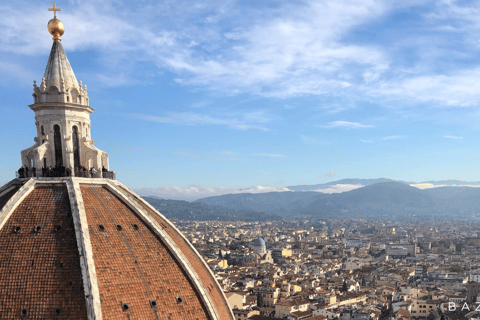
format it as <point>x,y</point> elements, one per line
<point>238,94</point>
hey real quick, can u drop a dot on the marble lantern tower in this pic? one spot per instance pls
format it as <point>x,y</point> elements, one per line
<point>62,115</point>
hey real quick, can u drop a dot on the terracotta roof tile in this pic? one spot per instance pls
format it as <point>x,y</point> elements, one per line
<point>40,271</point>
<point>135,267</point>
<point>196,261</point>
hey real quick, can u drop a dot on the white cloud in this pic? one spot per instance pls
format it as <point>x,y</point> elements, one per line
<point>292,49</point>
<point>456,88</point>
<point>337,108</point>
<point>189,119</point>
<point>195,192</point>
<point>453,137</point>
<point>366,141</point>
<point>430,186</point>
<point>346,124</point>
<point>330,174</point>
<point>339,188</point>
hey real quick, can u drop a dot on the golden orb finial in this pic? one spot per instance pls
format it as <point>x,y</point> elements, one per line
<point>55,26</point>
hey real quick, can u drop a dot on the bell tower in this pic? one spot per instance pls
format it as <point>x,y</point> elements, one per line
<point>62,114</point>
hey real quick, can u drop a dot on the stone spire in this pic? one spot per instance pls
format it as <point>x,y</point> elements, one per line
<point>62,115</point>
<point>58,72</point>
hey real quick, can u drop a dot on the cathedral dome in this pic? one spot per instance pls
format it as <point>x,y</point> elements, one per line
<point>91,248</point>
<point>259,242</point>
<point>78,246</point>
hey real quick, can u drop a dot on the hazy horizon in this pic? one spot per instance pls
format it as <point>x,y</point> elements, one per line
<point>195,192</point>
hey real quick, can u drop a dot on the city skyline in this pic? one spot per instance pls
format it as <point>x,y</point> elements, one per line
<point>274,94</point>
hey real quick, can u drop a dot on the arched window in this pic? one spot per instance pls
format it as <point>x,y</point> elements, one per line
<point>42,131</point>
<point>58,145</point>
<point>76,148</point>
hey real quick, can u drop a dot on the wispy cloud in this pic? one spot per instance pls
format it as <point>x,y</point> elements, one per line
<point>274,155</point>
<point>330,174</point>
<point>290,50</point>
<point>228,152</point>
<point>191,119</point>
<point>337,108</point>
<point>346,124</point>
<point>295,49</point>
<point>339,188</point>
<point>454,89</point>
<point>366,141</point>
<point>453,137</point>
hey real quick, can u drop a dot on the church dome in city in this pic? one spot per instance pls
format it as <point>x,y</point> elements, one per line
<point>77,244</point>
<point>259,242</point>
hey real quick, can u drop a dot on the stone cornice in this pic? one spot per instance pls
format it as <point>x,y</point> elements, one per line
<point>61,105</point>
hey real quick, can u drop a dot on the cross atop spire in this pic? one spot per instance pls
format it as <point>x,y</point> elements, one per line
<point>54,9</point>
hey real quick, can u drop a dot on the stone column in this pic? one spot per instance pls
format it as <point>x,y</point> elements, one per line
<point>69,161</point>
<point>67,138</point>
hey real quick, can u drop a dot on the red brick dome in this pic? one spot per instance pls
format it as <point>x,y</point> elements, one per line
<point>79,248</point>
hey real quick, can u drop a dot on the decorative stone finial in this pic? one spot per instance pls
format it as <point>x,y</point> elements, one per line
<point>55,26</point>
<point>43,86</point>
<point>34,84</point>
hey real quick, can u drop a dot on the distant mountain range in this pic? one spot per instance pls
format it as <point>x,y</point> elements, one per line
<point>195,192</point>
<point>389,200</point>
<point>367,182</point>
<point>362,182</point>
<point>452,183</point>
<point>184,210</point>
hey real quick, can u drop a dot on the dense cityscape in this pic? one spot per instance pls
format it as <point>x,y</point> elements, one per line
<point>343,269</point>
<point>295,160</point>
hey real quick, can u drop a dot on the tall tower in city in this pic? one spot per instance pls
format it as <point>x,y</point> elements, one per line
<point>84,246</point>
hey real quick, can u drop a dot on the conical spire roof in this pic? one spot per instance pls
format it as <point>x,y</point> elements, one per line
<point>59,68</point>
